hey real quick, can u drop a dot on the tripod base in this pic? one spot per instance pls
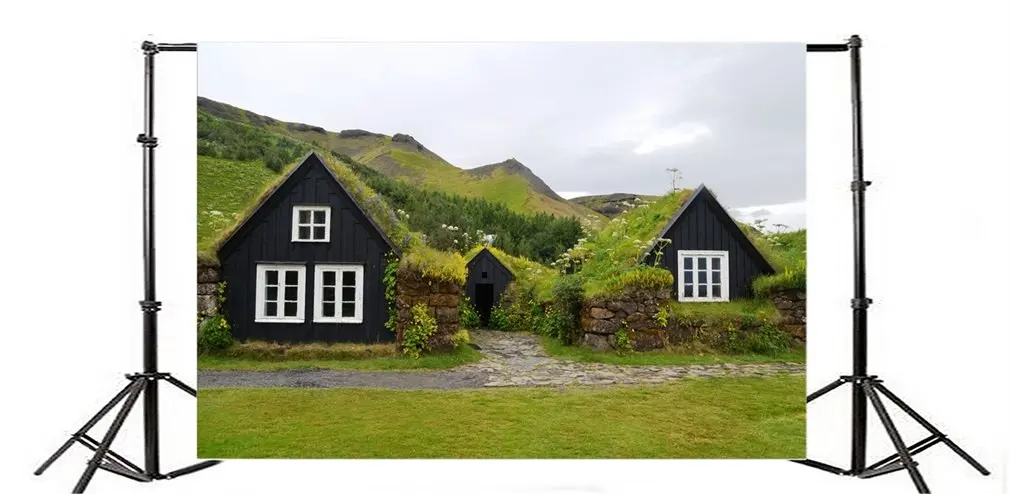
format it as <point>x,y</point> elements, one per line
<point>871,388</point>
<point>105,458</point>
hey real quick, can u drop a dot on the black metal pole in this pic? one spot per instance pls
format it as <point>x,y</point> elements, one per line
<point>150,304</point>
<point>859,301</point>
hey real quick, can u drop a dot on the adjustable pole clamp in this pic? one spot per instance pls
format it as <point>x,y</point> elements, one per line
<point>150,306</point>
<point>149,48</point>
<point>859,185</point>
<point>861,303</point>
<point>147,141</point>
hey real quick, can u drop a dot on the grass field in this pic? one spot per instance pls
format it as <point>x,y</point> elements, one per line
<point>459,357</point>
<point>702,418</point>
<point>225,189</point>
<point>673,356</point>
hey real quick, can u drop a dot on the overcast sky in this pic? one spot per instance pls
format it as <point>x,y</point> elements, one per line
<point>588,118</point>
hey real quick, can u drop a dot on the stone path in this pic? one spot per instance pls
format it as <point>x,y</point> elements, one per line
<point>510,359</point>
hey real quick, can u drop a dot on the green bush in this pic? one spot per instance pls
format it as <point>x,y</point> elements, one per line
<point>499,319</point>
<point>566,310</point>
<point>419,330</point>
<point>460,338</point>
<point>622,341</point>
<point>215,335</point>
<point>790,278</point>
<point>468,317</point>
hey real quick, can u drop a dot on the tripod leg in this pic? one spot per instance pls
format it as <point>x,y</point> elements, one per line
<point>936,432</point>
<point>892,431</point>
<point>135,389</point>
<point>825,390</point>
<point>181,385</point>
<point>83,430</point>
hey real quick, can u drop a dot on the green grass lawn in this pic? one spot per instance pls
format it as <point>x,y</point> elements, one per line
<point>673,356</point>
<point>755,417</point>
<point>448,360</point>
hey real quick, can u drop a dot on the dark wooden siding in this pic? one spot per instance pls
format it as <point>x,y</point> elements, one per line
<point>703,226</point>
<point>266,239</point>
<point>497,274</point>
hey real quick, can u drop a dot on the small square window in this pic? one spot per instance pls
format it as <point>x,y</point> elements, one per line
<point>483,274</point>
<point>310,224</point>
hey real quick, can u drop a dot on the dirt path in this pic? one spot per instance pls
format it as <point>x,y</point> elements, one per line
<point>510,359</point>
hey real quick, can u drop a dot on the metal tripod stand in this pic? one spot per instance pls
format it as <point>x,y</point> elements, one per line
<point>867,387</point>
<point>144,383</point>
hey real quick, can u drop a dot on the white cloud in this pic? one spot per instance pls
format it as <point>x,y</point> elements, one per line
<point>567,194</point>
<point>675,136</point>
<point>791,214</point>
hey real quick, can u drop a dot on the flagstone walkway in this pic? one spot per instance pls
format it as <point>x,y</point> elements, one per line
<point>510,359</point>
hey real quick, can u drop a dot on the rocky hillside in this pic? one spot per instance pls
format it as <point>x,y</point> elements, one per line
<point>611,205</point>
<point>403,157</point>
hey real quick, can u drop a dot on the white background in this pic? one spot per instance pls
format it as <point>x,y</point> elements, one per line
<point>937,127</point>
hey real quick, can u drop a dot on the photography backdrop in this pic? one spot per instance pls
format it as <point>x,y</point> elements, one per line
<point>937,118</point>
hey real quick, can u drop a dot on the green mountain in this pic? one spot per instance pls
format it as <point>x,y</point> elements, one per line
<point>402,157</point>
<point>611,205</point>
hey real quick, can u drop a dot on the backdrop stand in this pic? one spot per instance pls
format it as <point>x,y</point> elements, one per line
<point>866,387</point>
<point>146,382</point>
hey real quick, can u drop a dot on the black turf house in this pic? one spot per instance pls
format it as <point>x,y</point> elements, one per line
<point>486,279</point>
<point>711,258</point>
<point>307,264</point>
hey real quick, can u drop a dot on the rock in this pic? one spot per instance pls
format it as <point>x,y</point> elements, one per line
<point>357,133</point>
<point>648,339</point>
<point>207,274</point>
<point>408,140</point>
<point>603,326</point>
<point>597,341</point>
<point>206,288</point>
<point>600,313</point>
<point>449,315</point>
<point>206,304</point>
<point>614,305</point>
<point>636,317</point>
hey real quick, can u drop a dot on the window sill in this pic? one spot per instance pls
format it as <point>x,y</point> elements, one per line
<point>702,300</point>
<point>300,241</point>
<point>289,321</point>
<point>338,321</point>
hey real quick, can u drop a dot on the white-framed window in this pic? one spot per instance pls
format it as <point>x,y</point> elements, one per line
<point>339,293</point>
<point>704,275</point>
<point>280,293</point>
<point>310,224</point>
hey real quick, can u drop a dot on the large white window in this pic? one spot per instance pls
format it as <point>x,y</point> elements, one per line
<point>310,224</point>
<point>339,293</point>
<point>704,275</point>
<point>280,293</point>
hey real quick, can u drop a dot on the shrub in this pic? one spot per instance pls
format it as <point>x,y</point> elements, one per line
<point>419,330</point>
<point>566,310</point>
<point>468,317</point>
<point>622,341</point>
<point>389,288</point>
<point>215,335</point>
<point>791,278</point>
<point>460,338</point>
<point>435,264</point>
<point>499,319</point>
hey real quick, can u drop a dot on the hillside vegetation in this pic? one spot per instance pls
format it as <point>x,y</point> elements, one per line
<point>612,205</point>
<point>402,157</point>
<point>233,173</point>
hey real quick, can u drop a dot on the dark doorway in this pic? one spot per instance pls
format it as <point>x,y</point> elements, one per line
<point>483,301</point>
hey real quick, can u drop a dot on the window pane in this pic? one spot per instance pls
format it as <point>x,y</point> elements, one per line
<point>329,278</point>
<point>303,233</point>
<point>270,309</point>
<point>291,277</point>
<point>271,293</point>
<point>688,263</point>
<point>319,217</point>
<point>716,263</point>
<point>688,291</point>
<point>688,276</point>
<point>329,293</point>
<point>702,263</point>
<point>349,277</point>
<point>717,291</point>
<point>290,309</point>
<point>319,232</point>
<point>328,309</point>
<point>716,277</point>
<point>702,290</point>
<point>702,277</point>
<point>347,309</point>
<point>303,216</point>
<point>271,277</point>
<point>291,293</point>
<point>347,294</point>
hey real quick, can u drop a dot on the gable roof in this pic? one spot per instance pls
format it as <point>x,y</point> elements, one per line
<point>310,159</point>
<point>494,258</point>
<point>703,194</point>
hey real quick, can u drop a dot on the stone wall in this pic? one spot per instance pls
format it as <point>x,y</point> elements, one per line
<point>634,310</point>
<point>792,306</point>
<point>443,299</point>
<point>207,278</point>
